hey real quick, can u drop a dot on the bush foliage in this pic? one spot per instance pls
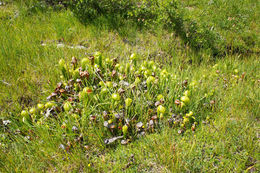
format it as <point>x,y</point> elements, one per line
<point>91,9</point>
<point>147,14</point>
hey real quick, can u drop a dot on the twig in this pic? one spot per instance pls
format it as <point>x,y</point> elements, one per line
<point>5,83</point>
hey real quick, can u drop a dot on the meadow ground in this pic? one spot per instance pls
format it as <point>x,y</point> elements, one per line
<point>227,136</point>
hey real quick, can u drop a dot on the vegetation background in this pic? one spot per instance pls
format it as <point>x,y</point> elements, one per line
<point>206,40</point>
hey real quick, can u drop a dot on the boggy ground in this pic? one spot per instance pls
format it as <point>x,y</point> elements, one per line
<point>226,137</point>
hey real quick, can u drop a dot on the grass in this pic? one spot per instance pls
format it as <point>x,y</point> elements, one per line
<point>227,140</point>
<point>234,21</point>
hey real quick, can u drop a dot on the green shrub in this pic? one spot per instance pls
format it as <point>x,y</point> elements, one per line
<point>34,6</point>
<point>140,11</point>
<point>57,2</point>
<point>169,14</point>
<point>87,10</point>
<point>197,35</point>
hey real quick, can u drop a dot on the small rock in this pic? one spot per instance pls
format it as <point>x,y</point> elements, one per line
<point>6,122</point>
<point>124,142</point>
<point>111,140</point>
